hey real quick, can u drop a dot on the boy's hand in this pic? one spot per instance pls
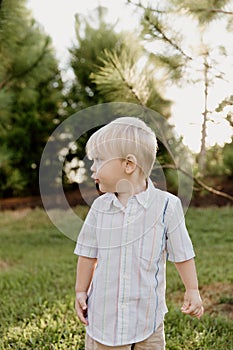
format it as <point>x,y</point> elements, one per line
<point>192,303</point>
<point>81,306</point>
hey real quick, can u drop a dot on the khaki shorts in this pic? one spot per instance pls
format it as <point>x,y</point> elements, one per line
<point>155,342</point>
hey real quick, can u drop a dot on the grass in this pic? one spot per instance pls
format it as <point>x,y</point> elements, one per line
<point>37,276</point>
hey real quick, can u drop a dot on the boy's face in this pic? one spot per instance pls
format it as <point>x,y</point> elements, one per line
<point>107,173</point>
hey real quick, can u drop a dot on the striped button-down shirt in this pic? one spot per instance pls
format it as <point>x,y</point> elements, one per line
<point>126,299</point>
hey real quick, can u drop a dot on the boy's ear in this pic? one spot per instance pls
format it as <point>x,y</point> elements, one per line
<point>130,164</point>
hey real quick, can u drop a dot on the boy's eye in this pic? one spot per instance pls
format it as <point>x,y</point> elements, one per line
<point>97,160</point>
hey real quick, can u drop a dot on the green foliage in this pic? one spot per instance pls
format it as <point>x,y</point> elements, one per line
<point>120,79</point>
<point>214,161</point>
<point>172,66</point>
<point>227,151</point>
<point>108,67</point>
<point>93,35</point>
<point>225,103</point>
<point>204,10</point>
<point>30,95</point>
<point>37,277</point>
<point>228,158</point>
<point>157,26</point>
<point>219,160</point>
<point>120,71</point>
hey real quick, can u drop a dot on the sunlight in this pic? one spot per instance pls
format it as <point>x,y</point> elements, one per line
<point>187,116</point>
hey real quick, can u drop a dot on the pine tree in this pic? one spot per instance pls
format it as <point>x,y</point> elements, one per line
<point>93,36</point>
<point>111,67</point>
<point>30,94</point>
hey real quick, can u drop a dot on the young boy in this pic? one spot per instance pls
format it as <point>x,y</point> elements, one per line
<point>126,238</point>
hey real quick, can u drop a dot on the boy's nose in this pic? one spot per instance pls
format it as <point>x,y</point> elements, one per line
<point>93,168</point>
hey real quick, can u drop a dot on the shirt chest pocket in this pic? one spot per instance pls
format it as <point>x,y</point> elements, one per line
<point>151,252</point>
<point>153,244</point>
<point>149,263</point>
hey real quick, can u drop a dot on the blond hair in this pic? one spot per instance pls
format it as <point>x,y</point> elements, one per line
<point>124,136</point>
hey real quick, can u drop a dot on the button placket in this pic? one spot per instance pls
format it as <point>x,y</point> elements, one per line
<point>126,265</point>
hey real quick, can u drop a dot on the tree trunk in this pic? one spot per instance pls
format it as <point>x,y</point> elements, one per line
<point>202,154</point>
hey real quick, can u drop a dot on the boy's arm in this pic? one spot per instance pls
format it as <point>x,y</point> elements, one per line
<point>192,301</point>
<point>85,270</point>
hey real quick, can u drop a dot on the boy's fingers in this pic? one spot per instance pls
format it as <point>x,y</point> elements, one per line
<point>194,311</point>
<point>199,312</point>
<point>81,314</point>
<point>81,299</point>
<point>82,318</point>
<point>185,306</point>
<point>83,304</point>
<point>81,307</point>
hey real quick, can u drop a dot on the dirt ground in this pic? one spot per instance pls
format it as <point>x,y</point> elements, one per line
<point>217,299</point>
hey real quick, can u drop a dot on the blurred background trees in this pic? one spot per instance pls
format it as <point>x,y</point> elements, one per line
<point>93,36</point>
<point>111,66</point>
<point>30,95</point>
<point>108,65</point>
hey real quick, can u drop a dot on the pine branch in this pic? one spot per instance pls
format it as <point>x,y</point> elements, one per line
<point>159,29</point>
<point>119,73</point>
<point>215,11</point>
<point>139,5</point>
<point>163,12</point>
<point>28,69</point>
<point>128,85</point>
<point>164,36</point>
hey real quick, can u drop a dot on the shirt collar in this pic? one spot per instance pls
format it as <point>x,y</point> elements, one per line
<point>142,197</point>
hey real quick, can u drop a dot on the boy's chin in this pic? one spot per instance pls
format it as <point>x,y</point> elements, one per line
<point>99,189</point>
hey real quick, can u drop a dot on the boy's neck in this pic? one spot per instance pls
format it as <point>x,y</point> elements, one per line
<point>127,189</point>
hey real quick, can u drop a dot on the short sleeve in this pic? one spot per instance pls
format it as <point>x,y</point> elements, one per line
<point>87,242</point>
<point>179,245</point>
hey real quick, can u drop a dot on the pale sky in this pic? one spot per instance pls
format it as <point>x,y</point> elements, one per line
<point>57,18</point>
